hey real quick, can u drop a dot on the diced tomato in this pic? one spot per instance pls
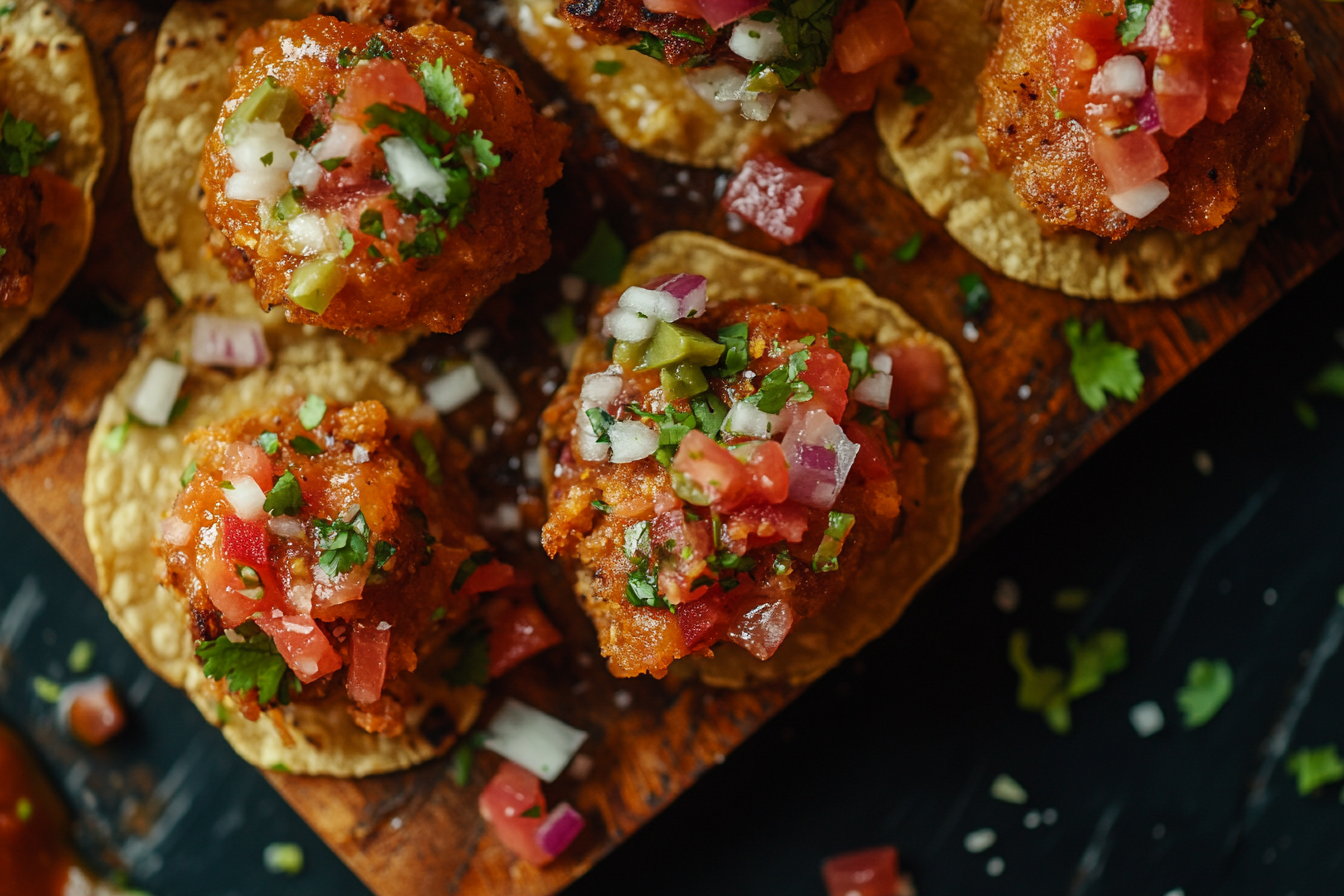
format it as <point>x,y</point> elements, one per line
<point>245,542</point>
<point>62,202</point>
<point>871,35</point>
<point>682,548</point>
<point>712,470</point>
<point>767,471</point>
<point>1174,26</point>
<point>225,590</point>
<point>491,576</point>
<point>518,630</point>
<point>302,644</point>
<point>762,524</point>
<point>688,8</point>
<point>874,462</point>
<point>368,662</point>
<point>856,92</point>
<point>705,621</point>
<point>242,459</point>
<point>777,196</point>
<point>723,12</point>
<point>1229,62</point>
<point>1181,86</point>
<point>512,792</point>
<point>918,377</point>
<point>94,713</point>
<point>868,872</point>
<point>1129,160</point>
<point>828,376</point>
<point>379,80</point>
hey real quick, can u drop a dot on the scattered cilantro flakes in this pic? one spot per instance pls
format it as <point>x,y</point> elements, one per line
<point>1039,689</point>
<point>1330,381</point>
<point>1256,22</point>
<point>267,159</point>
<point>607,66</point>
<point>601,423</point>
<point>285,497</point>
<point>254,663</point>
<point>916,94</point>
<point>827,557</point>
<point>781,384</point>
<point>268,442</point>
<point>649,46</point>
<point>560,325</point>
<point>1136,17</point>
<point>603,259</point>
<point>428,457</point>
<point>283,858</point>
<point>1005,788</point>
<point>347,242</point>
<point>1104,653</point>
<point>371,223</point>
<point>305,446</point>
<point>226,485</point>
<point>382,553</point>
<point>311,412</point>
<point>709,413</point>
<point>464,757</point>
<point>188,474</point>
<point>441,88</point>
<point>735,357</point>
<point>1072,600</point>
<point>473,662</point>
<point>116,437</point>
<point>1100,365</point>
<point>47,690</point>
<point>1208,685</point>
<point>21,145</point>
<point>80,658</point>
<point>860,263</point>
<point>909,250</point>
<point>534,812</point>
<point>599,505</point>
<point>343,545</point>
<point>478,153</point>
<point>975,292</point>
<point>469,566</point>
<point>1315,768</point>
<point>332,164</point>
<point>23,807</point>
<point>854,353</point>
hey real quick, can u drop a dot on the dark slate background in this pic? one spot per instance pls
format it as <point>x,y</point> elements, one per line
<point>900,745</point>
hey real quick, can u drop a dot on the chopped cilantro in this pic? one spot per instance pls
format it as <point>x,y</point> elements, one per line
<point>735,357</point>
<point>601,422</point>
<point>188,474</point>
<point>975,292</point>
<point>686,35</point>
<point>469,566</point>
<point>314,134</point>
<point>1136,17</point>
<point>1072,600</point>
<point>419,128</point>
<point>827,558</point>
<point>267,159</point>
<point>1330,381</point>
<point>441,88</point>
<point>346,57</point>
<point>21,145</point>
<point>254,663</point>
<point>473,660</point>
<point>560,325</point>
<point>438,614</point>
<point>116,437</point>
<point>283,858</point>
<point>428,457</point>
<point>285,497</point>
<point>709,413</point>
<point>603,506</point>
<point>343,545</point>
<point>602,260</point>
<point>607,66</point>
<point>860,263</point>
<point>382,552</point>
<point>226,485</point>
<point>1306,414</point>
<point>179,407</point>
<point>47,690</point>
<point>311,412</point>
<point>783,383</point>
<point>1039,689</point>
<point>916,94</point>
<point>908,250</point>
<point>23,807</point>
<point>650,46</point>
<point>347,242</point>
<point>371,223</point>
<point>464,757</point>
<point>1100,366</point>
<point>1316,768</point>
<point>782,563</point>
<point>641,586</point>
<point>478,153</point>
<point>305,446</point>
<point>268,442</point>
<point>854,353</point>
<point>332,164</point>
<point>534,812</point>
<point>80,658</point>
<point>672,428</point>
<point>1104,653</point>
<point>806,27</point>
<point>1256,22</point>
<point>1208,684</point>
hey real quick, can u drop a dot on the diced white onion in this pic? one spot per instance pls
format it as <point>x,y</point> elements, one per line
<point>586,445</point>
<point>1141,200</point>
<point>154,397</point>
<point>307,234</point>
<point>256,186</point>
<point>255,179</point>
<point>286,527</point>
<point>628,326</point>
<point>767,44</point>
<point>653,303</point>
<point>710,82</point>
<point>176,531</point>
<point>874,390</point>
<point>732,90</point>
<point>491,377</point>
<point>879,361</point>
<point>305,173</point>
<point>339,142</point>
<point>247,498</point>
<point>411,172</point>
<point>453,389</point>
<point>757,106</point>
<point>227,342</point>
<point>603,388</point>
<point>808,107</point>
<point>745,419</point>
<point>1120,76</point>
<point>631,441</point>
<point>300,599</point>
<point>670,297</point>
<point>542,744</point>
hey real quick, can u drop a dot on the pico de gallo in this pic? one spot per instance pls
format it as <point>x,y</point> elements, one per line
<point>827,57</point>
<point>370,178</point>
<point>32,196</point>
<point>1149,91</point>
<point>323,548</point>
<point>726,471</point>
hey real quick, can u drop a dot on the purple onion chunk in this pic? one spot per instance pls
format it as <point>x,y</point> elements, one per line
<point>819,457</point>
<point>562,825</point>
<point>228,342</point>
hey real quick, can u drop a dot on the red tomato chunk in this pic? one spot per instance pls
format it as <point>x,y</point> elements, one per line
<point>779,197</point>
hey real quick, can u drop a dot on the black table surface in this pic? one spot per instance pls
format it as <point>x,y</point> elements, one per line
<point>899,745</point>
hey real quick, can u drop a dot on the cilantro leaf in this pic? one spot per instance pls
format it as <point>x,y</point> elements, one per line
<point>1330,381</point>
<point>371,223</point>
<point>478,153</point>
<point>560,325</point>
<point>21,145</point>
<point>1104,653</point>
<point>252,663</point>
<point>312,411</point>
<point>1136,17</point>
<point>641,586</point>
<point>188,474</point>
<point>1100,366</point>
<point>1208,684</point>
<point>601,422</point>
<point>469,566</point>
<point>607,66</point>
<point>305,446</point>
<point>908,250</point>
<point>473,663</point>
<point>709,413</point>
<point>781,384</point>
<point>735,357</point>
<point>976,293</point>
<point>1039,689</point>
<point>650,46</point>
<point>268,442</point>
<point>382,552</point>
<point>343,545</point>
<point>419,128</point>
<point>285,497</point>
<point>441,88</point>
<point>602,260</point>
<point>464,757</point>
<point>854,353</point>
<point>1316,768</point>
<point>428,456</point>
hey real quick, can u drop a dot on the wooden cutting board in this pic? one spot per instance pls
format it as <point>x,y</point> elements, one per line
<point>416,832</point>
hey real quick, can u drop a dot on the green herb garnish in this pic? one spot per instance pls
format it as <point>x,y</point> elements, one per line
<point>285,497</point>
<point>1100,366</point>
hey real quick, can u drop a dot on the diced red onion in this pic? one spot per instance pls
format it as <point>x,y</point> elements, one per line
<point>745,419</point>
<point>628,325</point>
<point>690,292</point>
<point>453,389</point>
<point>631,441</point>
<point>561,827</point>
<point>602,389</point>
<point>1141,200</point>
<point>819,459</point>
<point>246,497</point>
<point>157,393</point>
<point>1120,76</point>
<point>874,390</point>
<point>176,531</point>
<point>757,106</point>
<point>762,629</point>
<point>710,82</point>
<point>721,12</point>
<point>767,44</point>
<point>492,378</point>
<point>228,342</point>
<point>808,107</point>
<point>1146,109</point>
<point>540,743</point>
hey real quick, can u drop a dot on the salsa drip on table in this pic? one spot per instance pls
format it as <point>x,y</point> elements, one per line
<point>754,52</point>
<point>32,196</point>
<point>325,547</point>
<point>369,178</point>
<point>1152,88</point>
<point>728,472</point>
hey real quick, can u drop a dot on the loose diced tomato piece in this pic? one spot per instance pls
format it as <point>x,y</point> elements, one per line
<point>1129,160</point>
<point>705,621</point>
<point>871,35</point>
<point>918,377</point>
<point>712,470</point>
<point>93,711</point>
<point>777,196</point>
<point>874,462</point>
<point>856,92</point>
<point>1181,86</point>
<point>1229,63</point>
<point>379,80</point>
<point>868,872</point>
<point>518,630</point>
<point>242,459</point>
<point>304,647</point>
<point>368,662</point>
<point>512,792</point>
<point>491,576</point>
<point>828,376</point>
<point>1174,26</point>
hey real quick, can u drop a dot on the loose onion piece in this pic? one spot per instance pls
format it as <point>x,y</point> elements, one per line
<point>757,41</point>
<point>628,325</point>
<point>746,419</point>
<point>560,829</point>
<point>412,172</point>
<point>247,498</point>
<point>603,388</point>
<point>157,393</point>
<point>710,82</point>
<point>1141,200</point>
<point>807,107</point>
<point>453,389</point>
<point>492,378</point>
<point>819,457</point>
<point>540,743</point>
<point>228,342</point>
<point>762,629</point>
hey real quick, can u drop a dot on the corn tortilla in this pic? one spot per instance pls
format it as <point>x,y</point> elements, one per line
<point>47,77</point>
<point>930,537</point>
<point>128,492</point>
<point>944,165</point>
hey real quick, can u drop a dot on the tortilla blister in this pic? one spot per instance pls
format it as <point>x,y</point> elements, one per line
<point>944,166</point>
<point>129,491</point>
<point>930,537</point>
<point>47,77</point>
<point>650,105</point>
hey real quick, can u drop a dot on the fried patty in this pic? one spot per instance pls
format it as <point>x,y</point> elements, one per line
<point>622,21</point>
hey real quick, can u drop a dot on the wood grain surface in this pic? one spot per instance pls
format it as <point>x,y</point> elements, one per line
<point>418,833</point>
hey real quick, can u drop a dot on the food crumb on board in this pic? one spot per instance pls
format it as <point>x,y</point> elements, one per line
<point>1032,820</point>
<point>1005,788</point>
<point>1203,463</point>
<point>981,840</point>
<point>1147,718</point>
<point>994,867</point>
<point>1007,595</point>
<point>1271,597</point>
